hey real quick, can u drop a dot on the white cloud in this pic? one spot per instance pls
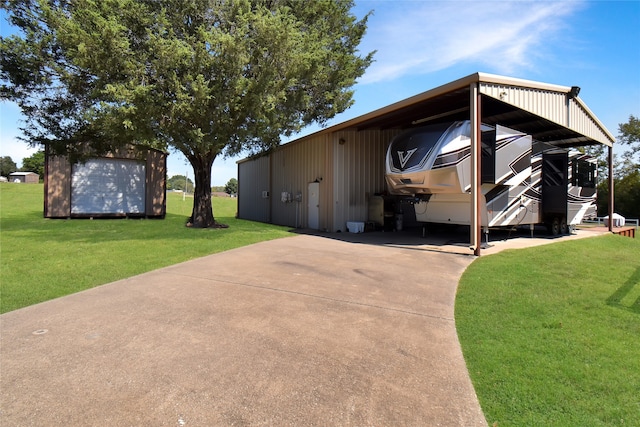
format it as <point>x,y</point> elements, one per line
<point>16,149</point>
<point>422,37</point>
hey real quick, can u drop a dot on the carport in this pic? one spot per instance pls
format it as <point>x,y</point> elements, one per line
<point>326,183</point>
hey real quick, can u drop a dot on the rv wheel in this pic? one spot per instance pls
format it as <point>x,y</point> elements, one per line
<point>563,227</point>
<point>554,227</point>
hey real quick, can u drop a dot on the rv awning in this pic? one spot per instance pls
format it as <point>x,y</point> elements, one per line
<point>548,113</point>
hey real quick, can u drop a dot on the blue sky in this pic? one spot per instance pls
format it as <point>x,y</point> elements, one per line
<point>424,44</point>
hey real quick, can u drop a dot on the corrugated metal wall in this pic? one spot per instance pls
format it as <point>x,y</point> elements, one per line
<point>550,105</point>
<point>359,169</point>
<point>253,186</point>
<point>581,120</point>
<point>554,106</point>
<point>294,166</point>
<point>349,166</point>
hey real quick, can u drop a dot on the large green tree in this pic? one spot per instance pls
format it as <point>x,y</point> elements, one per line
<point>34,163</point>
<point>231,187</point>
<point>180,182</point>
<point>629,136</point>
<point>7,166</point>
<point>208,78</point>
<point>626,178</point>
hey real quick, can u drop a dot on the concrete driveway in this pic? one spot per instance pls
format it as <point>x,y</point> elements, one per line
<point>301,331</point>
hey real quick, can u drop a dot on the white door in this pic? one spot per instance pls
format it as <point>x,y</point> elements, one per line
<point>108,186</point>
<point>313,206</point>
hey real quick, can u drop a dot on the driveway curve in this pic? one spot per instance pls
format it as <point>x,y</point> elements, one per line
<point>301,331</point>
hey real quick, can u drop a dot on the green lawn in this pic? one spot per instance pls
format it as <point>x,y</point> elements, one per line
<point>551,334</point>
<point>41,259</point>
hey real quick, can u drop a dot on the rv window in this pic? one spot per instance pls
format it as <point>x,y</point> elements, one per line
<point>412,149</point>
<point>584,174</point>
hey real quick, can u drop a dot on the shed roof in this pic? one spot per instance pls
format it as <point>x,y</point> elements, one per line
<point>22,173</point>
<point>547,112</point>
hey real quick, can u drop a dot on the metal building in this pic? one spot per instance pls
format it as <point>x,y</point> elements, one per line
<point>324,180</point>
<point>127,183</point>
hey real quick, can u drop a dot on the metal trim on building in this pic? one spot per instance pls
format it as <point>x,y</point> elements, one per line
<point>543,100</point>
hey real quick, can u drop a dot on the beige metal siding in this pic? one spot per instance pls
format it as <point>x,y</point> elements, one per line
<point>253,186</point>
<point>551,105</point>
<point>358,174</point>
<point>294,166</point>
<point>582,120</point>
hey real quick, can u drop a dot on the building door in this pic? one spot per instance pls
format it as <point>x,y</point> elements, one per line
<point>108,186</point>
<point>313,206</point>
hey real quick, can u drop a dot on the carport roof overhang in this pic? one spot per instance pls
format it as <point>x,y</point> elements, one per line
<point>549,113</point>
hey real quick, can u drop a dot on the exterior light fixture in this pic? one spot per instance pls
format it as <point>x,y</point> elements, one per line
<point>573,93</point>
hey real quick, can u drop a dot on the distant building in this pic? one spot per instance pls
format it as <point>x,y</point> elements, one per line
<point>220,194</point>
<point>25,177</point>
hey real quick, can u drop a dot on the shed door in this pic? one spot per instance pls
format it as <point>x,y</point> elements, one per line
<point>108,186</point>
<point>314,206</point>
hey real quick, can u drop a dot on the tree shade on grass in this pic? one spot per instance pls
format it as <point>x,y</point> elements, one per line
<point>207,78</point>
<point>551,334</point>
<point>41,259</point>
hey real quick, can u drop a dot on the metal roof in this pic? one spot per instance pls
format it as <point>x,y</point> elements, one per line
<point>22,173</point>
<point>549,113</point>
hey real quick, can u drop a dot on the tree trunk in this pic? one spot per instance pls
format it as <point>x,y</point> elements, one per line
<point>202,214</point>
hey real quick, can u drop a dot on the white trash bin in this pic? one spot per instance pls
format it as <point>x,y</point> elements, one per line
<point>618,220</point>
<point>355,227</point>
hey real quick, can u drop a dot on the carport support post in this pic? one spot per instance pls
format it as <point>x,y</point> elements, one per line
<point>476,156</point>
<point>610,160</point>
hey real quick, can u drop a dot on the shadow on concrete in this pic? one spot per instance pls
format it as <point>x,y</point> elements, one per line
<point>440,238</point>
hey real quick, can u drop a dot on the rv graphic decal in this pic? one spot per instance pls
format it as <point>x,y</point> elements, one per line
<point>523,181</point>
<point>403,158</point>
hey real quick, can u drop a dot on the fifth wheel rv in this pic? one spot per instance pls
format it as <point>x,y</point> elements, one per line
<point>524,182</point>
